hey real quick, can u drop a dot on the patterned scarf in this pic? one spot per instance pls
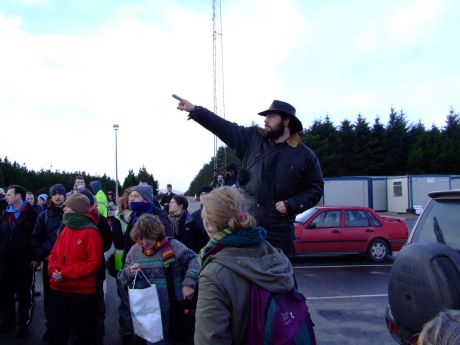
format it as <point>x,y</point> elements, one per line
<point>167,253</point>
<point>227,238</point>
<point>174,220</point>
<point>213,245</point>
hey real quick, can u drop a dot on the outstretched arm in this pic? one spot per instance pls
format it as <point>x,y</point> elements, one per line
<point>235,136</point>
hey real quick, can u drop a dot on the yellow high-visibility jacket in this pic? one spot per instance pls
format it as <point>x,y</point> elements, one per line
<point>101,200</point>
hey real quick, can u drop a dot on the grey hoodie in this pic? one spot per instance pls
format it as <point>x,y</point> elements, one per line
<point>224,286</point>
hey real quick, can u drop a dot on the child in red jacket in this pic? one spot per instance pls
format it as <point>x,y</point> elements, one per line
<point>73,265</point>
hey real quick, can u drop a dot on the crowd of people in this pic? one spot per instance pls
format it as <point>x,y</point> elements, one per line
<point>68,238</point>
<point>242,236</point>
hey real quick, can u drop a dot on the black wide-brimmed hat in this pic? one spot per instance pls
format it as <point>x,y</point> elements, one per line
<point>285,108</point>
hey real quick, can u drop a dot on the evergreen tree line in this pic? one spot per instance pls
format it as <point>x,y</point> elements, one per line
<point>39,182</point>
<point>360,149</point>
<point>350,149</point>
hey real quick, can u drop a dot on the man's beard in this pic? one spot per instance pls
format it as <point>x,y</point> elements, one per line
<point>274,133</point>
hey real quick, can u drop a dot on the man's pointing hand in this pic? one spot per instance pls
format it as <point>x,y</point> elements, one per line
<point>184,104</point>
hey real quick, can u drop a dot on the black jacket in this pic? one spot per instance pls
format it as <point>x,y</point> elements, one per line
<point>3,205</point>
<point>105,232</point>
<point>289,172</point>
<point>45,231</point>
<point>16,243</point>
<point>191,234</point>
<point>198,220</point>
<point>117,233</point>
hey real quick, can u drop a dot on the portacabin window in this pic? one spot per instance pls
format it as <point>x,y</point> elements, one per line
<point>397,189</point>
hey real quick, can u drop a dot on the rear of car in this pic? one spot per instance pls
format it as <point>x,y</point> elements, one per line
<point>425,278</point>
<point>440,220</point>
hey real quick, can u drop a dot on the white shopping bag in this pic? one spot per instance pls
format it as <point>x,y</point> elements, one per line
<point>145,311</point>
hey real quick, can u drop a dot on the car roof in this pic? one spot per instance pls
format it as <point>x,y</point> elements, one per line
<point>349,207</point>
<point>445,193</point>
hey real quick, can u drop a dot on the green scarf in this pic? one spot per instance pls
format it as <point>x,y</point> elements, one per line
<point>78,221</point>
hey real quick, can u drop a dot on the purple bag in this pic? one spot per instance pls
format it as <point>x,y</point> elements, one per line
<point>278,319</point>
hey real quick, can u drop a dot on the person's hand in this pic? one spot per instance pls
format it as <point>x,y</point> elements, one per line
<point>281,207</point>
<point>56,275</point>
<point>184,104</point>
<point>187,292</point>
<point>134,268</point>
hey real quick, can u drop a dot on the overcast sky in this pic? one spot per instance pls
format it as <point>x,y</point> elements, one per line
<point>71,69</point>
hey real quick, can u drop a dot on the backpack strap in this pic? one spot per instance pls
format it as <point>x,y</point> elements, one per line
<point>259,299</point>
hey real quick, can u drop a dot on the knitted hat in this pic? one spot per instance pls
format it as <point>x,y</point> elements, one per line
<point>58,188</point>
<point>145,191</point>
<point>78,202</point>
<point>44,197</point>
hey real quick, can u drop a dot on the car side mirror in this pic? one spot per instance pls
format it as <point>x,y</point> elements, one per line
<point>311,226</point>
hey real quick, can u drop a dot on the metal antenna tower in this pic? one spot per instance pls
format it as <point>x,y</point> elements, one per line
<point>218,76</point>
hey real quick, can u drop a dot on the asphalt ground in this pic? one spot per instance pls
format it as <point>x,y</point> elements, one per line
<point>347,298</point>
<point>346,295</point>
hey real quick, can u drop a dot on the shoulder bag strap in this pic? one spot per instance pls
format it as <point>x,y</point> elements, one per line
<point>170,283</point>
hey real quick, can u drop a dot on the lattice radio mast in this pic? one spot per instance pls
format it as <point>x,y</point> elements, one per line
<point>218,77</point>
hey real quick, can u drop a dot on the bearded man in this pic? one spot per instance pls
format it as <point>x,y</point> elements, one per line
<point>278,171</point>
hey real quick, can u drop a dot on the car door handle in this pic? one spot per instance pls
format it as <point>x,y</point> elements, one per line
<point>370,230</point>
<point>335,231</point>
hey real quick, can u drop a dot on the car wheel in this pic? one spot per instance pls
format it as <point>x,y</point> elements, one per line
<point>378,250</point>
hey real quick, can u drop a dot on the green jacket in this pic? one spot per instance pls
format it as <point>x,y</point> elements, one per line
<point>224,286</point>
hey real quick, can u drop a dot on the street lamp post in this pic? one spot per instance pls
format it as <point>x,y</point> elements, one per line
<point>115,127</point>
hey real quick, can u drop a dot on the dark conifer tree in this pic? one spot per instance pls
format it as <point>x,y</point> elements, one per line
<point>361,147</point>
<point>345,149</point>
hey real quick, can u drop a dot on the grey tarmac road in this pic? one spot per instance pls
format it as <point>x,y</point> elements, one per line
<point>346,296</point>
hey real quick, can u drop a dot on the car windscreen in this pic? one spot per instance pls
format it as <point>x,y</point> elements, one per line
<point>440,222</point>
<point>306,215</point>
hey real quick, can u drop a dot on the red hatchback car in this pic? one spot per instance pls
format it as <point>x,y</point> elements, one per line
<point>326,230</point>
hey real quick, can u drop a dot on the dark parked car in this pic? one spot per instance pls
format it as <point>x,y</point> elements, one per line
<point>425,278</point>
<point>326,230</point>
